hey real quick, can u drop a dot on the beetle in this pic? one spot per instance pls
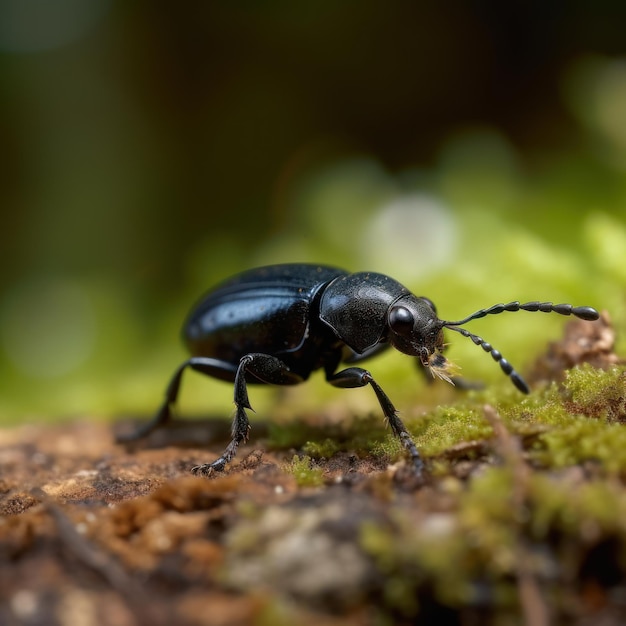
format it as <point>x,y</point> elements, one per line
<point>278,324</point>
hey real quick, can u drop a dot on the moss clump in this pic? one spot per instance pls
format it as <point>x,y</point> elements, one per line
<point>592,511</point>
<point>305,472</point>
<point>502,527</point>
<point>363,435</point>
<point>597,393</point>
<point>450,425</point>
<point>582,419</point>
<point>553,424</point>
<point>386,447</point>
<point>321,449</point>
<point>584,440</point>
<point>397,567</point>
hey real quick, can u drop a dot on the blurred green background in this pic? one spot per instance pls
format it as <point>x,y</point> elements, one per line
<point>475,151</point>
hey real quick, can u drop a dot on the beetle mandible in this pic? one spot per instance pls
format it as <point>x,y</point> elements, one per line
<point>277,324</point>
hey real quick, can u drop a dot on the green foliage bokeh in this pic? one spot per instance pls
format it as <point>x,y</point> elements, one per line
<point>151,151</point>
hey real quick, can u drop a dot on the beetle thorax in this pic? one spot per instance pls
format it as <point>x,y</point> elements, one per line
<point>356,307</point>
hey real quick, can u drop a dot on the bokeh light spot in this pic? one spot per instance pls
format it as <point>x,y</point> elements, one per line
<point>411,236</point>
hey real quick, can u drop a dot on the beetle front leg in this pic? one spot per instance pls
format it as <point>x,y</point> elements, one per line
<point>267,369</point>
<point>353,377</point>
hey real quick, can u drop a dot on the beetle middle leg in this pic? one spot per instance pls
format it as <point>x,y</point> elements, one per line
<point>353,377</point>
<point>267,369</point>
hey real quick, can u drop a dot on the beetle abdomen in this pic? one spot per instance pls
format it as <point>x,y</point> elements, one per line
<point>263,310</point>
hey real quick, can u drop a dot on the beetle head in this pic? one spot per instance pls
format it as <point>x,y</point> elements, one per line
<point>415,329</point>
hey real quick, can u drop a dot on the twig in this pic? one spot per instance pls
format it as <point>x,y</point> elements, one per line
<point>533,604</point>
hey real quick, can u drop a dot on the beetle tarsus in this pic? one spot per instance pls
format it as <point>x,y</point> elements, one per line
<point>208,470</point>
<point>240,433</point>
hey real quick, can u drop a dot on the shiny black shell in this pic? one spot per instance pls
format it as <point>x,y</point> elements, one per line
<point>268,309</point>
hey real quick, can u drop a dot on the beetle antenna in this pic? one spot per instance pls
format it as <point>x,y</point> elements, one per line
<point>583,312</point>
<point>507,368</point>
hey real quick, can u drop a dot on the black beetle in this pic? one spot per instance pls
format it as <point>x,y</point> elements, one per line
<point>279,323</point>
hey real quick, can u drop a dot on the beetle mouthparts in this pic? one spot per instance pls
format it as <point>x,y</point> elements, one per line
<point>440,367</point>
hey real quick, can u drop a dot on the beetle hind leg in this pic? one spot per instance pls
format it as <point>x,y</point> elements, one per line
<point>162,416</point>
<point>266,369</point>
<point>204,365</point>
<point>353,377</point>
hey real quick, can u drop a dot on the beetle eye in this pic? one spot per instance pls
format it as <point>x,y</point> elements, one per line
<point>401,320</point>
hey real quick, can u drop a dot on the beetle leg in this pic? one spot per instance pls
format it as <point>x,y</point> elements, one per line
<point>268,369</point>
<point>353,377</point>
<point>204,365</point>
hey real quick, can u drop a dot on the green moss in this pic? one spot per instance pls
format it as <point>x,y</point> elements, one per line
<point>561,425</point>
<point>449,425</point>
<point>434,432</point>
<point>488,521</point>
<point>483,540</point>
<point>386,447</point>
<point>321,449</point>
<point>410,556</point>
<point>305,473</point>
<point>367,434</point>
<point>397,565</point>
<point>597,393</point>
<point>589,511</point>
<point>576,422</point>
<point>584,440</point>
<point>503,519</point>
